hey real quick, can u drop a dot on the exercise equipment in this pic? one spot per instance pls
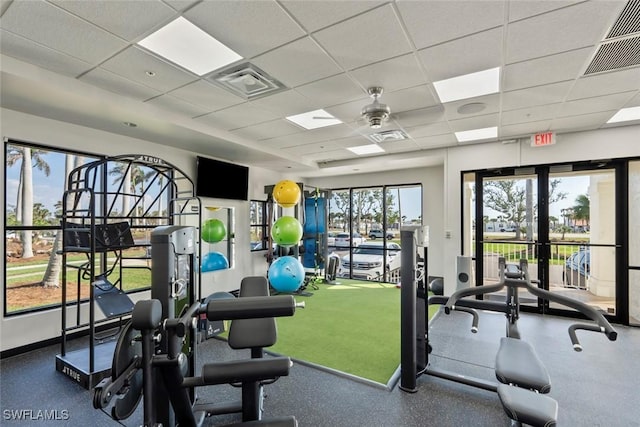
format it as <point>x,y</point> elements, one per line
<point>286,193</point>
<point>213,231</point>
<point>286,274</point>
<point>102,211</point>
<point>156,356</point>
<point>522,376</point>
<point>286,231</point>
<point>213,261</point>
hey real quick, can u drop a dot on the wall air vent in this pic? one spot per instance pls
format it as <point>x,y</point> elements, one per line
<point>387,136</point>
<point>247,81</point>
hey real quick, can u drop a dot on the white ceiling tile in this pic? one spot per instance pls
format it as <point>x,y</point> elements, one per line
<point>558,31</point>
<point>491,105</point>
<point>525,8</point>
<point>287,103</point>
<point>550,69</point>
<point>367,38</point>
<point>392,74</point>
<point>298,62</point>
<point>42,56</point>
<point>432,129</point>
<point>349,112</point>
<point>420,116</point>
<point>538,95</point>
<point>134,63</point>
<point>268,130</point>
<point>595,104</point>
<point>332,91</point>
<point>433,22</point>
<point>181,4</point>
<point>604,83</point>
<point>248,27</point>
<point>414,98</point>
<point>466,55</point>
<point>436,141</point>
<point>116,84</point>
<point>477,122</point>
<point>529,114</point>
<point>238,116</point>
<point>329,133</point>
<point>207,95</point>
<point>317,14</point>
<point>176,105</point>
<point>124,18</point>
<point>582,122</point>
<point>399,146</point>
<point>524,129</point>
<point>42,22</point>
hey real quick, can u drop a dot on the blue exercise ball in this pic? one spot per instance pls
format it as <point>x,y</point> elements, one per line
<point>286,274</point>
<point>213,261</point>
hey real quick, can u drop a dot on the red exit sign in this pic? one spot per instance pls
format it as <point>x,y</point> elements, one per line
<point>541,139</point>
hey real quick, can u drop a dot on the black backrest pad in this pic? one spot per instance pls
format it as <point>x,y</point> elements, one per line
<point>253,333</point>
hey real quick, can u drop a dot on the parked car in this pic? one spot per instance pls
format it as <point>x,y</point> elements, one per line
<point>378,234</point>
<point>576,269</point>
<point>331,238</point>
<point>368,261</point>
<point>343,240</point>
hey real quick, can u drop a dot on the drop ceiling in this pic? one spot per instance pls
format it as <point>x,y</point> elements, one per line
<point>79,62</point>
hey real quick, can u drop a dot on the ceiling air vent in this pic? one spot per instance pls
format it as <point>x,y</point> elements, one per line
<point>615,55</point>
<point>247,80</point>
<point>627,22</point>
<point>388,136</point>
<point>621,47</point>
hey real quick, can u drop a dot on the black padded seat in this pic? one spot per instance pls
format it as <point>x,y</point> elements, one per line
<point>253,333</point>
<point>517,363</point>
<point>528,407</point>
<point>289,421</point>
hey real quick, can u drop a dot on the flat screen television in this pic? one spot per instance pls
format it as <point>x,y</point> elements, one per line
<point>221,180</point>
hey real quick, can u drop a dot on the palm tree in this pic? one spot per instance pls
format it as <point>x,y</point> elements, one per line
<point>51,276</point>
<point>581,210</point>
<point>24,207</point>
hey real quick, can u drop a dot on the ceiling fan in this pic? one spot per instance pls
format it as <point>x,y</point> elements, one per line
<point>375,113</point>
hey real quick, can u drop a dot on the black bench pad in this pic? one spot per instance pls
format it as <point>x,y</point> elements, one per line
<point>243,371</point>
<point>517,363</point>
<point>528,407</point>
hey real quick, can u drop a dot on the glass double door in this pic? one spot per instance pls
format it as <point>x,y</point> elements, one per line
<point>562,220</point>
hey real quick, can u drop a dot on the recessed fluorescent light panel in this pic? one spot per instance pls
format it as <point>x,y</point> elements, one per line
<point>625,114</point>
<point>468,85</point>
<point>366,149</point>
<point>472,135</point>
<point>185,44</point>
<point>314,119</point>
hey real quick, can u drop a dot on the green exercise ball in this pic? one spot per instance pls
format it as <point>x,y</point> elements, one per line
<point>286,231</point>
<point>213,231</point>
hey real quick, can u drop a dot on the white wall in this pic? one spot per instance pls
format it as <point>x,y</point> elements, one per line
<point>432,180</point>
<point>25,329</point>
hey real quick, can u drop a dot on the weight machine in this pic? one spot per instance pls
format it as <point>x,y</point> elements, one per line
<point>155,356</point>
<point>523,379</point>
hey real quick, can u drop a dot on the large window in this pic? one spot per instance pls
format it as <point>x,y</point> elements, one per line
<point>35,179</point>
<point>364,229</point>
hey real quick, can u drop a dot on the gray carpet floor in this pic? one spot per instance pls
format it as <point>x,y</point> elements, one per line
<point>599,386</point>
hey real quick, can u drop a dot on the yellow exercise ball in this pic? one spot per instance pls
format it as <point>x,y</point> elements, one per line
<point>286,193</point>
